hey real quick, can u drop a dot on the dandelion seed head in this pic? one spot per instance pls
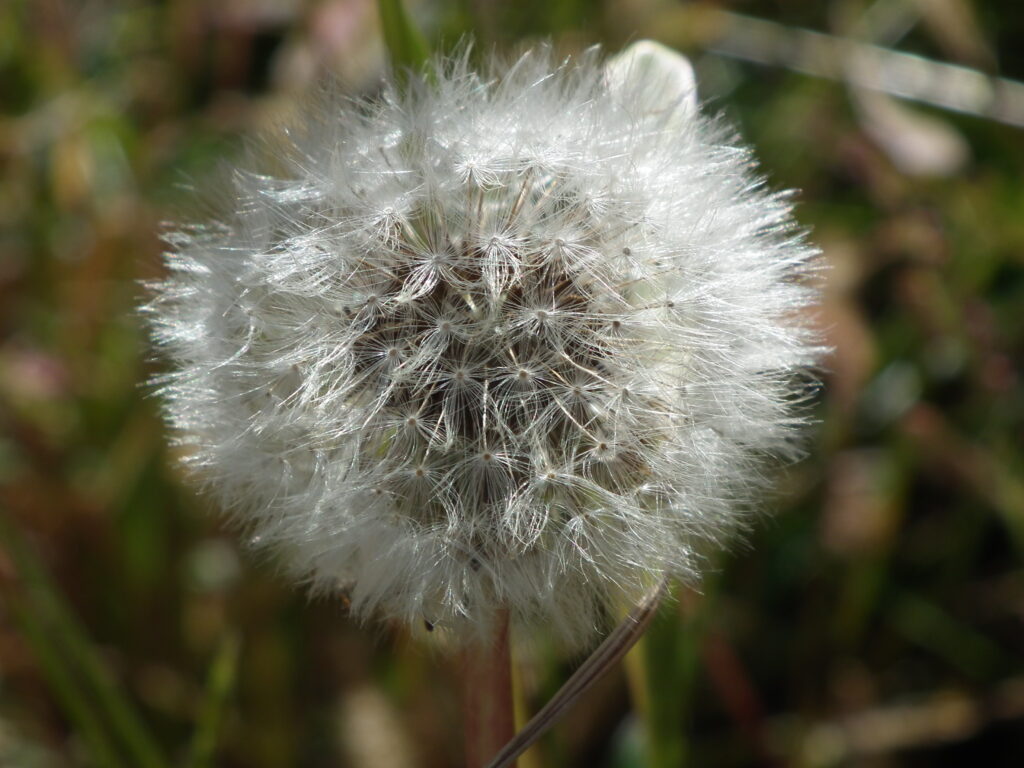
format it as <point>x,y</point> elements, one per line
<point>519,339</point>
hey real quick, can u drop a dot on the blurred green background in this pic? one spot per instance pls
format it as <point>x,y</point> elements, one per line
<point>874,619</point>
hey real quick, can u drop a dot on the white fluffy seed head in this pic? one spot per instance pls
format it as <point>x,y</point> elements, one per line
<point>515,340</point>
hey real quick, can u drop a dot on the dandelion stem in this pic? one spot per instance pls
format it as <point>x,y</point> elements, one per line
<point>487,696</point>
<point>607,654</point>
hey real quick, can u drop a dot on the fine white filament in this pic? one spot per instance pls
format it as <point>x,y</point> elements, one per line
<point>520,339</point>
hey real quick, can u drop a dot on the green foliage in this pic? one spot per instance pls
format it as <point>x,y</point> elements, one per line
<point>405,43</point>
<point>220,682</point>
<point>93,700</point>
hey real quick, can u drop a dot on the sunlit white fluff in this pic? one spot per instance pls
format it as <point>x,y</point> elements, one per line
<point>519,339</point>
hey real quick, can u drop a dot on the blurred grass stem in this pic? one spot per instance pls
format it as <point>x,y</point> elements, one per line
<point>875,68</point>
<point>220,682</point>
<point>530,758</point>
<point>66,689</point>
<point>405,43</point>
<point>661,671</point>
<point>66,653</point>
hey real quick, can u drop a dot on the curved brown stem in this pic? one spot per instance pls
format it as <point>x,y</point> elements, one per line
<point>590,671</point>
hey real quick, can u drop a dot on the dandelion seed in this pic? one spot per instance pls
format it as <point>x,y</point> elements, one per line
<point>514,342</point>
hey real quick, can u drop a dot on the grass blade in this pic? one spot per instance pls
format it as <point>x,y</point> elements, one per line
<point>219,683</point>
<point>62,681</point>
<point>406,44</point>
<point>51,618</point>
